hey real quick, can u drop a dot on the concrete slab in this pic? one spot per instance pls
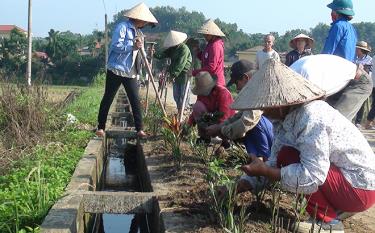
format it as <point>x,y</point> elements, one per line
<point>120,132</point>
<point>118,202</point>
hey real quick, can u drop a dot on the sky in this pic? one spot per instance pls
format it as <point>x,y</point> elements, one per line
<point>252,16</point>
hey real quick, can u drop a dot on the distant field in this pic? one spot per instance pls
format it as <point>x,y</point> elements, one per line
<point>58,93</point>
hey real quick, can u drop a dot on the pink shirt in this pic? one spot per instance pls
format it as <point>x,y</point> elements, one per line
<point>213,60</point>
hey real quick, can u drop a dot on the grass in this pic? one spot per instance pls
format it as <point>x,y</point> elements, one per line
<point>59,93</point>
<point>29,190</point>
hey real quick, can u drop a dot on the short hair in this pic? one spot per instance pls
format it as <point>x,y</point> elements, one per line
<point>269,35</point>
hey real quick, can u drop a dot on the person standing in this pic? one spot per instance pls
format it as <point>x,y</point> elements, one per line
<point>181,59</point>
<point>127,39</point>
<point>363,59</point>
<point>371,114</point>
<point>266,53</point>
<point>212,56</point>
<point>342,36</point>
<point>302,45</point>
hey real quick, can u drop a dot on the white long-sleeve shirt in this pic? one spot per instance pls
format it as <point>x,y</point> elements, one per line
<point>323,136</point>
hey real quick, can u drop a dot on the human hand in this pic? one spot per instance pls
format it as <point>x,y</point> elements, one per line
<point>138,43</point>
<point>256,168</point>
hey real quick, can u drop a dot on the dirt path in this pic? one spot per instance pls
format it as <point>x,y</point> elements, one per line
<point>366,218</point>
<point>171,105</point>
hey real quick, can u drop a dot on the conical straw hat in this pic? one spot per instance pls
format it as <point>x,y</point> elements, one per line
<point>276,85</point>
<point>309,41</point>
<point>210,28</point>
<point>141,12</point>
<point>174,38</point>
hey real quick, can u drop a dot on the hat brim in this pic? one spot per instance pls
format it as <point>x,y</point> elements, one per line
<point>309,43</point>
<point>204,91</point>
<point>363,48</point>
<point>348,12</point>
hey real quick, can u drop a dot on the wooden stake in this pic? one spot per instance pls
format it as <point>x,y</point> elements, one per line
<point>151,79</point>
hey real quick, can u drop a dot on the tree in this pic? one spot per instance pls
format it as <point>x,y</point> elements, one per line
<point>13,52</point>
<point>52,43</point>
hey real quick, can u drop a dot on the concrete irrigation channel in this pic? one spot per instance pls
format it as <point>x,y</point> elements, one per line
<point>110,190</point>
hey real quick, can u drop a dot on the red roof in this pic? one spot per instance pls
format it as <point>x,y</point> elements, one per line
<point>8,28</point>
<point>41,54</point>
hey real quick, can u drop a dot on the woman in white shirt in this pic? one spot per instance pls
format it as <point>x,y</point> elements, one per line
<point>316,151</point>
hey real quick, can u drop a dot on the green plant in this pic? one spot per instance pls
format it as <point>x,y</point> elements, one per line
<point>223,193</point>
<point>200,150</point>
<point>172,135</point>
<point>99,80</point>
<point>154,119</point>
<point>237,155</point>
<point>223,207</point>
<point>36,181</point>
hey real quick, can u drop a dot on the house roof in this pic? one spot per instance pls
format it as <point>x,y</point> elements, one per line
<point>40,54</point>
<point>8,28</point>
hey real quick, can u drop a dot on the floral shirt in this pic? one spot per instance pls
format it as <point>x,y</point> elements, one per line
<point>323,136</point>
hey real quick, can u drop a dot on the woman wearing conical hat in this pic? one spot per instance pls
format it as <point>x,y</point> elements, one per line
<point>316,150</point>
<point>121,69</point>
<point>179,53</point>
<point>212,56</point>
<point>301,45</point>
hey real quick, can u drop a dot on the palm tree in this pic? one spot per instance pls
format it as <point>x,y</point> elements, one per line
<point>52,42</point>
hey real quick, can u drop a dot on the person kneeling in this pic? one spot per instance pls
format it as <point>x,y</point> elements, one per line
<point>212,105</point>
<point>250,127</point>
<point>316,151</point>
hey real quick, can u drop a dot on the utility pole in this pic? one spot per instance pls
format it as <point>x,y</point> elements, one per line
<point>106,40</point>
<point>29,51</point>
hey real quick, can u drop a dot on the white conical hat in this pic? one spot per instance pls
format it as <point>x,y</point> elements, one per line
<point>276,85</point>
<point>309,41</point>
<point>210,28</point>
<point>141,12</point>
<point>174,38</point>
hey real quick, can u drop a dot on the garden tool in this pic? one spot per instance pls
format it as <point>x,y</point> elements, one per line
<point>152,47</point>
<point>151,79</point>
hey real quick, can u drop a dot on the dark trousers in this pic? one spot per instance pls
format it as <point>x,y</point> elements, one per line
<point>371,114</point>
<point>112,84</point>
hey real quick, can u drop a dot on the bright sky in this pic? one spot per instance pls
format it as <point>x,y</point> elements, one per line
<point>252,16</point>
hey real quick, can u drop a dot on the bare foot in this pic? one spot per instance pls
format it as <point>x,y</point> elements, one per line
<point>100,133</point>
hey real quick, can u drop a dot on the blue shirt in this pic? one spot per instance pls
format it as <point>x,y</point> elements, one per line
<point>341,40</point>
<point>120,55</point>
<point>258,140</point>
